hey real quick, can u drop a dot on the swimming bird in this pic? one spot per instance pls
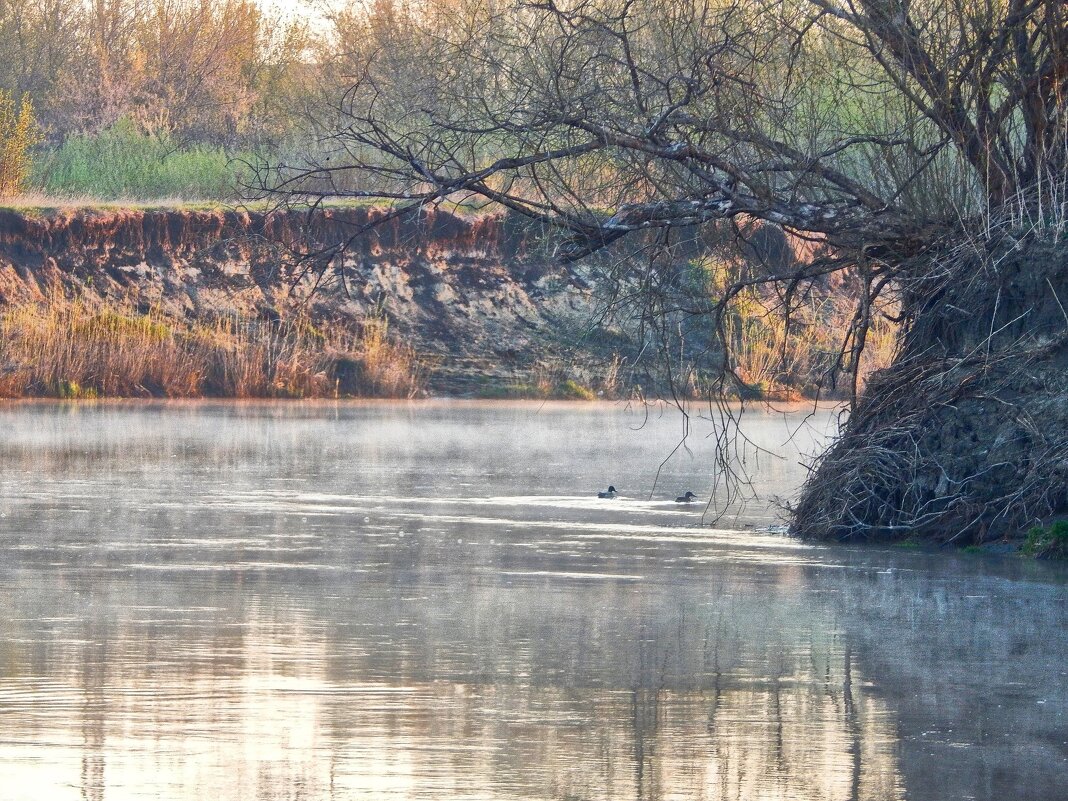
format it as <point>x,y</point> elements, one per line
<point>689,497</point>
<point>611,493</point>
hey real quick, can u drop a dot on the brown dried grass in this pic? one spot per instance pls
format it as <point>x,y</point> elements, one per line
<point>78,349</point>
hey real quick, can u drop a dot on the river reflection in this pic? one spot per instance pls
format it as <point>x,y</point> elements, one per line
<point>425,601</point>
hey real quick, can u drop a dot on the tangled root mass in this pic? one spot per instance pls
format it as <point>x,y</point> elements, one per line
<point>965,437</point>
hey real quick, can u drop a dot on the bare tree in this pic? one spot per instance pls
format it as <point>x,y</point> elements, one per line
<point>37,44</point>
<point>923,143</point>
<point>201,70</point>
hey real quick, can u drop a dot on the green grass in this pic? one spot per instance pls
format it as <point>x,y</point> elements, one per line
<point>43,201</point>
<point>535,389</point>
<point>125,167</point>
<point>491,391</point>
<point>123,162</point>
<point>38,204</point>
<point>72,390</point>
<point>573,390</point>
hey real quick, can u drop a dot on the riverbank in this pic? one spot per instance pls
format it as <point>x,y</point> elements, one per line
<point>196,301</point>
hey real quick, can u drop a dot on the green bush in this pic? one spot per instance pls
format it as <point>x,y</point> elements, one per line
<point>1048,543</point>
<point>123,162</point>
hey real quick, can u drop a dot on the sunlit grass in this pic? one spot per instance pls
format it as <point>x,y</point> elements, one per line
<point>123,162</point>
<point>77,349</point>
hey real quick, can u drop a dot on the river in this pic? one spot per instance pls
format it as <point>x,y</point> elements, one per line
<point>428,601</point>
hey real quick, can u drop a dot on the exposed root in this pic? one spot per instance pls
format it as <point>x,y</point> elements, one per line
<point>965,438</point>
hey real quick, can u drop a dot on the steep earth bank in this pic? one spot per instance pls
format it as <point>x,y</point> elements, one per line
<point>477,298</point>
<point>473,295</point>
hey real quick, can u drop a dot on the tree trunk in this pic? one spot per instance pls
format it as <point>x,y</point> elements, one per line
<point>965,437</point>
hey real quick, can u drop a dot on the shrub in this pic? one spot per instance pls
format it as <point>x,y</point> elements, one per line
<point>19,134</point>
<point>1048,543</point>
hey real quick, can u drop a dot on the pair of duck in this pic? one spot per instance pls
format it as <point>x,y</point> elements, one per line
<point>689,497</point>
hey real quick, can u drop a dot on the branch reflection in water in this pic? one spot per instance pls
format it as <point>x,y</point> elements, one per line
<point>373,601</point>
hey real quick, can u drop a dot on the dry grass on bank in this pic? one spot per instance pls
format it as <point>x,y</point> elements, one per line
<point>798,362</point>
<point>790,348</point>
<point>74,349</point>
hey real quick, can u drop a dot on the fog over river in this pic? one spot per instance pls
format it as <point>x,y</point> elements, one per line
<point>428,601</point>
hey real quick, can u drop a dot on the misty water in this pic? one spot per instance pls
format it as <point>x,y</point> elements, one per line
<point>427,601</point>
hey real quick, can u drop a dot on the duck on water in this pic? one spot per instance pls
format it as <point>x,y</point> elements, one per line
<point>609,493</point>
<point>689,497</point>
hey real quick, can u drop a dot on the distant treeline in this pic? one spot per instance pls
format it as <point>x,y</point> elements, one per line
<point>171,98</point>
<point>206,71</point>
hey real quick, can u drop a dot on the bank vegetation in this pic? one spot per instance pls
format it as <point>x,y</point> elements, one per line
<point>79,349</point>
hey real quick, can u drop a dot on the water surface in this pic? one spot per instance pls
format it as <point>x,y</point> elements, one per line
<point>426,601</point>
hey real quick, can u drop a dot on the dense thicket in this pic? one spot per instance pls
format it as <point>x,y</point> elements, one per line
<point>203,70</point>
<point>191,81</point>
